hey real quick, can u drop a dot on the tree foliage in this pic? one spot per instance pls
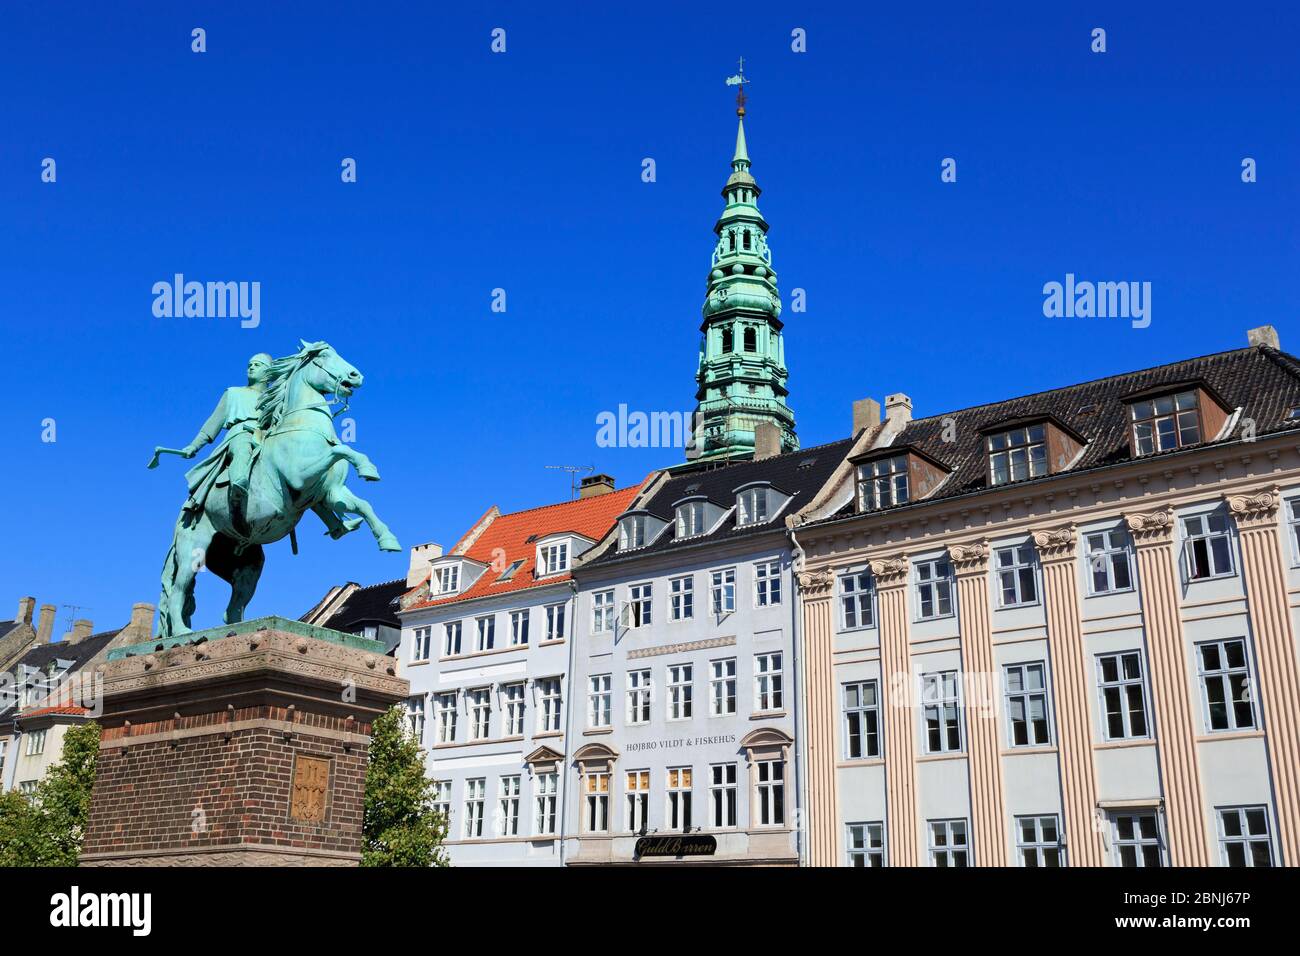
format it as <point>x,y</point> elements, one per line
<point>401,825</point>
<point>46,828</point>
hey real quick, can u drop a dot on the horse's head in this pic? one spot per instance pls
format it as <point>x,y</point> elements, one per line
<point>328,372</point>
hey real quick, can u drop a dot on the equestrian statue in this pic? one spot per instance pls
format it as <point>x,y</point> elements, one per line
<point>280,458</point>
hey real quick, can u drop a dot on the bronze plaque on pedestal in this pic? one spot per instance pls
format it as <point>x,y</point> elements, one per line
<point>311,783</point>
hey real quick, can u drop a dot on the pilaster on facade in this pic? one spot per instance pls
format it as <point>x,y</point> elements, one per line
<point>816,591</point>
<point>1256,515</point>
<point>891,576</point>
<point>970,564</point>
<point>1158,585</point>
<point>1057,554</point>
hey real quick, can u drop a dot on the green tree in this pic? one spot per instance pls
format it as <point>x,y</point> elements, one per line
<point>401,825</point>
<point>46,828</point>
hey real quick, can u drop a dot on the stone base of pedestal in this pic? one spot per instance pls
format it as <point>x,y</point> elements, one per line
<point>245,747</point>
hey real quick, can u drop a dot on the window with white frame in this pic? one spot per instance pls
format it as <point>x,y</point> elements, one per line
<point>679,691</point>
<point>949,843</point>
<point>690,519</point>
<point>751,506</point>
<point>420,643</point>
<point>445,715</point>
<point>1225,679</point>
<point>508,806</point>
<point>638,697</point>
<point>857,607</point>
<point>722,795</point>
<point>769,786</point>
<point>598,701</point>
<point>35,743</point>
<point>1293,522</point>
<point>28,787</point>
<point>514,694</point>
<point>475,790</point>
<point>1164,423</point>
<point>555,557</point>
<point>1123,695</point>
<point>448,579</point>
<point>442,798</point>
<point>861,720</point>
<point>866,844</point>
<point>1017,454</point>
<point>722,591</point>
<point>941,708</point>
<point>451,639</point>
<point>1207,546</point>
<point>551,704</point>
<point>637,818</point>
<point>1108,562</point>
<point>1028,724</point>
<point>1017,584</point>
<point>1136,838</point>
<point>546,787</point>
<point>934,589</point>
<point>554,622</point>
<point>1243,836</point>
<point>602,612</point>
<point>1038,841</point>
<point>487,632</point>
<point>480,712</point>
<point>769,692</point>
<point>678,818</point>
<point>632,532</point>
<point>518,628</point>
<point>882,483</point>
<point>767,583</point>
<point>415,717</point>
<point>681,598</point>
<point>639,598</point>
<point>595,786</point>
<point>722,687</point>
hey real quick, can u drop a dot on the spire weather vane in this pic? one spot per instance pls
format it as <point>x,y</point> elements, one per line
<point>740,80</point>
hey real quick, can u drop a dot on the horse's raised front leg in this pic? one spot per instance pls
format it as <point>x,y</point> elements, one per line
<point>341,499</point>
<point>358,460</point>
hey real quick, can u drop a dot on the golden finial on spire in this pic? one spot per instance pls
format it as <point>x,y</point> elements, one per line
<point>739,80</point>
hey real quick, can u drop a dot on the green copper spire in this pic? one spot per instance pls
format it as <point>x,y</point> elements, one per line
<point>742,374</point>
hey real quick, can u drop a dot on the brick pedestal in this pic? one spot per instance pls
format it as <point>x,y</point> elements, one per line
<point>246,748</point>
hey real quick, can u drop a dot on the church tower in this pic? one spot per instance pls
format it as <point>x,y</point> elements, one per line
<point>742,374</point>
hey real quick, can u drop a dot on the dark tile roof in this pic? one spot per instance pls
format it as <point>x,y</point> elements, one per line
<point>6,627</point>
<point>373,604</point>
<point>798,473</point>
<point>1262,381</point>
<point>41,656</point>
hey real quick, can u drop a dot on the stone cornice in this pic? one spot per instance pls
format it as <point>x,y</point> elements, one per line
<point>815,584</point>
<point>970,559</point>
<point>1056,544</point>
<point>1255,509</point>
<point>890,572</point>
<point>1152,527</point>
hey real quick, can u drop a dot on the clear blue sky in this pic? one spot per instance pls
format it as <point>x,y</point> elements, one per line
<point>522,171</point>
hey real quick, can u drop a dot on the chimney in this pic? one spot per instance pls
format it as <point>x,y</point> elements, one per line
<point>866,414</point>
<point>141,625</point>
<point>898,408</point>
<point>45,628</point>
<point>1264,335</point>
<point>81,629</point>
<point>594,485</point>
<point>767,441</point>
<point>25,607</point>
<point>422,555</point>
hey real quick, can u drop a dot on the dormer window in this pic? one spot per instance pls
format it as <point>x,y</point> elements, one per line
<point>751,506</point>
<point>632,532</point>
<point>1165,423</point>
<point>1018,454</point>
<point>448,579</point>
<point>882,483</point>
<point>690,519</point>
<point>555,557</point>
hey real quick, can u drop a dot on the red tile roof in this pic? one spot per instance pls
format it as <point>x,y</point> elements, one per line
<point>71,710</point>
<point>505,540</point>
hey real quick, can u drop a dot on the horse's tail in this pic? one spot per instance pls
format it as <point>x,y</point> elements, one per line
<point>163,627</point>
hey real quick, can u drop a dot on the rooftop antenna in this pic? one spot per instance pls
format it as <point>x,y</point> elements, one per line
<point>74,611</point>
<point>574,471</point>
